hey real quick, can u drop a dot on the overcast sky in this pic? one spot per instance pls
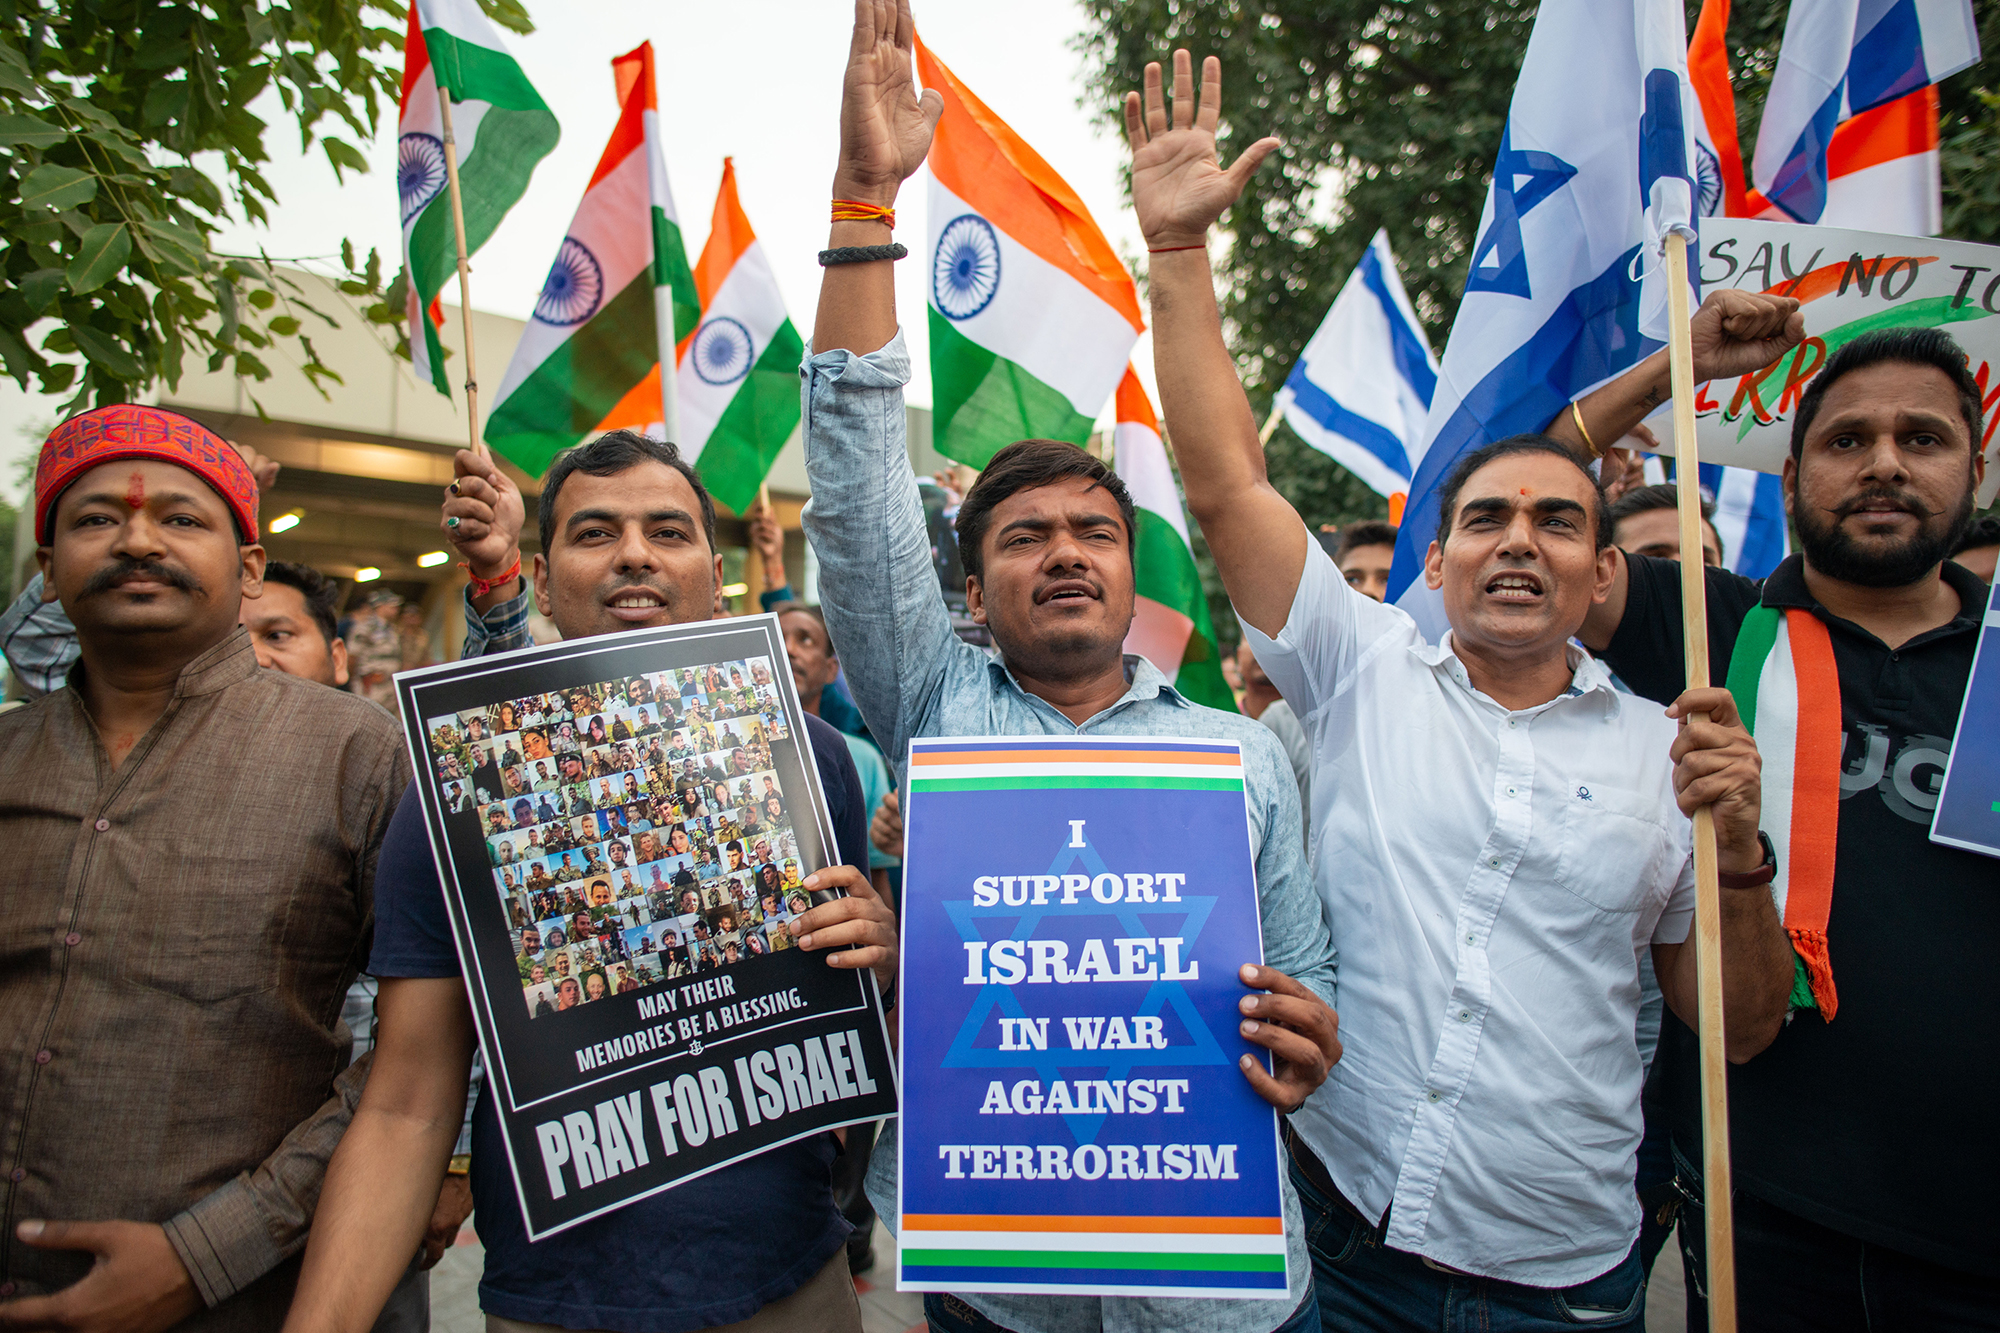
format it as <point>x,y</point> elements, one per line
<point>756,79</point>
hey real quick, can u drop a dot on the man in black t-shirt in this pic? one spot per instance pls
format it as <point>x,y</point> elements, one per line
<point>628,535</point>
<point>1863,1154</point>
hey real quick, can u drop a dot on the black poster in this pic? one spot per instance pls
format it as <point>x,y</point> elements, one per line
<point>623,826</point>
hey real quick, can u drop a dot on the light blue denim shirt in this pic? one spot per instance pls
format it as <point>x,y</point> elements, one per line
<point>911,676</point>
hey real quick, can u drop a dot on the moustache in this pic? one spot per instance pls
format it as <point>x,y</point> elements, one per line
<point>1852,505</point>
<point>113,574</point>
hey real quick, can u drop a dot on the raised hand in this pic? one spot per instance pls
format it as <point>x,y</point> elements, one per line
<point>482,515</point>
<point>885,128</point>
<point>1179,187</point>
<point>1739,333</point>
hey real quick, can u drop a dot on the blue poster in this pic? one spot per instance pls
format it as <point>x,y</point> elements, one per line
<point>1076,910</point>
<point>1968,808</point>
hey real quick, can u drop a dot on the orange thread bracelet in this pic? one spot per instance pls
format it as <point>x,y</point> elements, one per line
<point>853,210</point>
<point>483,587</point>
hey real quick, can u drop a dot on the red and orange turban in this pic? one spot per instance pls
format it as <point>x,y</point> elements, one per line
<point>129,430</point>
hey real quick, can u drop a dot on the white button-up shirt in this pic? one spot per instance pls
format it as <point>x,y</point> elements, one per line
<point>1490,877</point>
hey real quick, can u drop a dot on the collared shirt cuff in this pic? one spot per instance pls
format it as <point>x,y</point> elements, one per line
<point>503,627</point>
<point>887,367</point>
<point>224,1241</point>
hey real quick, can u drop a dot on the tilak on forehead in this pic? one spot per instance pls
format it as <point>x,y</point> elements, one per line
<point>127,431</point>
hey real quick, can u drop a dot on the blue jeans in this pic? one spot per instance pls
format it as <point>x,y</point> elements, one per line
<point>1366,1287</point>
<point>950,1314</point>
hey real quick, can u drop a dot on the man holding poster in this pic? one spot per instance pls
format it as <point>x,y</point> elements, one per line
<point>1047,537</point>
<point>628,541</point>
<point>1498,834</point>
<point>1852,661</point>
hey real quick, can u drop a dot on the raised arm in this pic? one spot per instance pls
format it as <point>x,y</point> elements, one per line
<point>1733,333</point>
<point>1179,189</point>
<point>877,584</point>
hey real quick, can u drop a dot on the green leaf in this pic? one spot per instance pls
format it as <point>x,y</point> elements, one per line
<point>225,302</point>
<point>247,364</point>
<point>178,247</point>
<point>262,299</point>
<point>347,254</point>
<point>58,376</point>
<point>15,77</point>
<point>39,288</point>
<point>30,130</point>
<point>20,358</point>
<point>107,353</point>
<point>284,326</point>
<point>343,154</point>
<point>195,187</point>
<point>53,187</point>
<point>165,101</point>
<point>104,251</point>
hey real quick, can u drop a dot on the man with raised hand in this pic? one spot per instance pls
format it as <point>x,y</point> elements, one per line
<point>628,542</point>
<point>1499,834</point>
<point>1047,539</point>
<point>1860,646</point>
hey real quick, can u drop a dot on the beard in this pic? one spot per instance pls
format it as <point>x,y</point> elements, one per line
<point>1832,551</point>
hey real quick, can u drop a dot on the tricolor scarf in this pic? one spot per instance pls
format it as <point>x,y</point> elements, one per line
<point>1787,688</point>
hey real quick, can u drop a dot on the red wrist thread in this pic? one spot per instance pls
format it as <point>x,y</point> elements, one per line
<point>854,210</point>
<point>482,587</point>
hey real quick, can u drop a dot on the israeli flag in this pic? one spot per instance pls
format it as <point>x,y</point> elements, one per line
<point>1362,388</point>
<point>1840,58</point>
<point>1749,517</point>
<point>1567,288</point>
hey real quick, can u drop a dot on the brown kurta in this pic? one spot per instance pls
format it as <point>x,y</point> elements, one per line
<point>176,937</point>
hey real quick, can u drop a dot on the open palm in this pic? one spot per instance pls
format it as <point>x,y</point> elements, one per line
<point>885,128</point>
<point>1179,187</point>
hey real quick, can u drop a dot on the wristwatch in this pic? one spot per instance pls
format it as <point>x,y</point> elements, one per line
<point>1751,879</point>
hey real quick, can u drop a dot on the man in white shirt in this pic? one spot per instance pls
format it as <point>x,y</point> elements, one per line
<point>1509,834</point>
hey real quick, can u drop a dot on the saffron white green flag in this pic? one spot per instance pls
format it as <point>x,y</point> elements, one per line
<point>619,289</point>
<point>502,129</point>
<point>1032,315</point>
<point>739,373</point>
<point>1171,627</point>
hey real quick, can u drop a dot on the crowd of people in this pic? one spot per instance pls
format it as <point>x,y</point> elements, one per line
<point>243,1091</point>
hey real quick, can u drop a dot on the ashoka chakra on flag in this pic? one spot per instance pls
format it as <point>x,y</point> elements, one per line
<point>723,351</point>
<point>965,271</point>
<point>575,286</point>
<point>419,171</point>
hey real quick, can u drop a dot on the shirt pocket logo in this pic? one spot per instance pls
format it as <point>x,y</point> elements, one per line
<point>1613,848</point>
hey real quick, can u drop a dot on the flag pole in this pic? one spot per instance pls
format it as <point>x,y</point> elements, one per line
<point>1271,424</point>
<point>1720,1229</point>
<point>464,287</point>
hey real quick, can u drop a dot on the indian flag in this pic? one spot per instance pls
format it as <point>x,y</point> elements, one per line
<point>1032,316</point>
<point>620,286</point>
<point>1171,627</point>
<point>739,373</point>
<point>502,129</point>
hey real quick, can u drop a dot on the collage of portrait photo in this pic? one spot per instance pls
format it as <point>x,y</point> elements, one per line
<point>637,829</point>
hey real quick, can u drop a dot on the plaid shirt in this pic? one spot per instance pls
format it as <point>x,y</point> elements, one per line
<point>500,630</point>
<point>38,640</point>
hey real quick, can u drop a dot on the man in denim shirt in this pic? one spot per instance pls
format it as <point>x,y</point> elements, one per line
<point>1047,540</point>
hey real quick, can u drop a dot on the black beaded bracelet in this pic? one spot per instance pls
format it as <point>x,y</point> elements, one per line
<point>862,254</point>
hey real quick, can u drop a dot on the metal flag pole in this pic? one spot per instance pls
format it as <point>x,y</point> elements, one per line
<point>464,270</point>
<point>1720,1229</point>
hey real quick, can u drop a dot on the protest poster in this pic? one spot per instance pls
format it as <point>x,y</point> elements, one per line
<point>1968,808</point>
<point>1849,283</point>
<point>623,826</point>
<point>1074,1122</point>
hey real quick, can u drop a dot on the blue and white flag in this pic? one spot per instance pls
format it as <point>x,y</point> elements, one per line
<point>1749,517</point>
<point>1567,288</point>
<point>1362,388</point>
<point>1840,58</point>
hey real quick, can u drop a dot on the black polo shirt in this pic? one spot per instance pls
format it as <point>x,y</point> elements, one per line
<point>1879,1124</point>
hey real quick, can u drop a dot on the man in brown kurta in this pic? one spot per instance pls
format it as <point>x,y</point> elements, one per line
<point>191,845</point>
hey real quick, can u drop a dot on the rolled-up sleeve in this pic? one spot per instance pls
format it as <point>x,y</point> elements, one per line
<point>234,1235</point>
<point>878,587</point>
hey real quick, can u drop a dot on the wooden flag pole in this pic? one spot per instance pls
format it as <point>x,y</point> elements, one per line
<point>1720,1229</point>
<point>464,281</point>
<point>1271,425</point>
